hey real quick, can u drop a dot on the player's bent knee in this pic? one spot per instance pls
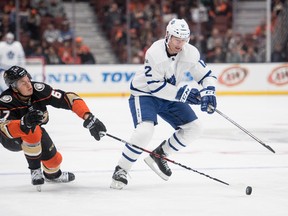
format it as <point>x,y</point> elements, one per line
<point>143,133</point>
<point>192,130</point>
<point>33,137</point>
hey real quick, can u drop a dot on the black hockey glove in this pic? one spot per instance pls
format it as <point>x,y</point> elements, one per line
<point>188,95</point>
<point>95,126</point>
<point>208,99</point>
<point>30,120</point>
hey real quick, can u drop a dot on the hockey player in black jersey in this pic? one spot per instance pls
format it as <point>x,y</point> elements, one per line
<point>23,111</point>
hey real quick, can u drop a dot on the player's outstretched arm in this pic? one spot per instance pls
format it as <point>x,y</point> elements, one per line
<point>95,126</point>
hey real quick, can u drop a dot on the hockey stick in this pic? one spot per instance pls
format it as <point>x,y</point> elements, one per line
<point>167,159</point>
<point>243,129</point>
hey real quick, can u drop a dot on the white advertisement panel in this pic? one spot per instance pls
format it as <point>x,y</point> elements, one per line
<point>114,80</point>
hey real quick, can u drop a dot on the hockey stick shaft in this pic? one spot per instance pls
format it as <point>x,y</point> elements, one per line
<point>244,130</point>
<point>167,159</point>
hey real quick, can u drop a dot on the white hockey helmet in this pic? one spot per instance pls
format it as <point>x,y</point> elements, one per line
<point>9,37</point>
<point>178,28</point>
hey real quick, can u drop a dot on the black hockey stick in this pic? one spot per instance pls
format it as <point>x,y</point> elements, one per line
<point>167,159</point>
<point>244,130</point>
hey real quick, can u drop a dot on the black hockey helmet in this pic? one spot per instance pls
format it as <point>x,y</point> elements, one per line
<point>13,74</point>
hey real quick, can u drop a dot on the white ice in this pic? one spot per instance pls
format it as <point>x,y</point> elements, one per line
<point>223,152</point>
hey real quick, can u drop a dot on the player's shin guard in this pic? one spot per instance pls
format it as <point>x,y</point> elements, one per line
<point>32,151</point>
<point>52,171</point>
<point>183,137</point>
<point>180,139</point>
<point>32,148</point>
<point>141,137</point>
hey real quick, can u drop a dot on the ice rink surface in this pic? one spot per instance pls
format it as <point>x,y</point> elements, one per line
<point>223,152</point>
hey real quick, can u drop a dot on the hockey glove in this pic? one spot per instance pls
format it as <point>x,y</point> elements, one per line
<point>188,95</point>
<point>95,126</point>
<point>208,99</point>
<point>30,120</point>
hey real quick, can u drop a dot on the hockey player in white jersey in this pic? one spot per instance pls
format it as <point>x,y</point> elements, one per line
<point>156,91</point>
<point>11,52</point>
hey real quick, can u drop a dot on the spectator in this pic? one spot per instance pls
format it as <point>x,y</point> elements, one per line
<point>35,3</point>
<point>223,8</point>
<point>277,7</point>
<point>65,53</point>
<point>52,57</point>
<point>30,48</point>
<point>42,8</point>
<point>11,52</point>
<point>199,13</point>
<point>84,52</point>
<point>112,17</point>
<point>278,55</point>
<point>227,38</point>
<point>55,8</point>
<point>218,56</point>
<point>51,34</point>
<point>67,58</point>
<point>210,6</point>
<point>234,55</point>
<point>33,24</point>
<point>66,46</point>
<point>214,40</point>
<point>5,25</point>
<point>38,52</point>
<point>24,9</point>
<point>66,34</point>
<point>250,56</point>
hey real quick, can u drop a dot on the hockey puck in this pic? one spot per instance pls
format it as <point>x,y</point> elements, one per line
<point>248,190</point>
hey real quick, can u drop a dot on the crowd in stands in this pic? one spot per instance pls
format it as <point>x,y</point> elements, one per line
<point>210,22</point>
<point>45,30</point>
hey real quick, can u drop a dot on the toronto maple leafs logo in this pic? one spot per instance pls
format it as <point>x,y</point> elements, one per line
<point>172,80</point>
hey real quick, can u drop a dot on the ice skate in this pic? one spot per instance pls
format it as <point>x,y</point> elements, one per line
<point>37,178</point>
<point>64,177</point>
<point>158,164</point>
<point>119,178</point>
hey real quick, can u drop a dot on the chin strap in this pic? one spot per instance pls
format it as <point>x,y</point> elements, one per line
<point>21,96</point>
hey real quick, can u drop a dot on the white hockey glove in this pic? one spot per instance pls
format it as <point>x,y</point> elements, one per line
<point>208,99</point>
<point>188,95</point>
<point>96,127</point>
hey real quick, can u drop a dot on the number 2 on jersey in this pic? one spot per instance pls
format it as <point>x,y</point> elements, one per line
<point>147,70</point>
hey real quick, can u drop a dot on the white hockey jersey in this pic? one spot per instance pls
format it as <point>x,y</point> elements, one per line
<point>161,74</point>
<point>11,54</point>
